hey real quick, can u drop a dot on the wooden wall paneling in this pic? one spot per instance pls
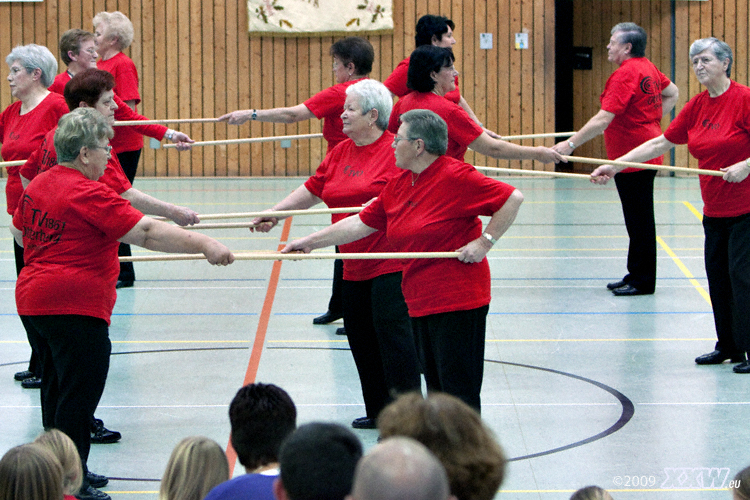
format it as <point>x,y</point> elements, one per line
<point>55,29</point>
<point>717,19</point>
<point>514,89</point>
<point>740,47</point>
<point>410,21</point>
<point>240,98</point>
<point>209,85</point>
<point>194,92</point>
<point>155,72</point>
<point>304,160</point>
<point>179,92</point>
<point>267,100</point>
<point>170,160</point>
<point>223,72</point>
<point>730,20</point>
<point>465,61</point>
<point>550,70</point>
<point>538,123</point>
<point>503,50</point>
<point>284,76</point>
<point>527,96</point>
<point>488,111</point>
<point>682,69</point>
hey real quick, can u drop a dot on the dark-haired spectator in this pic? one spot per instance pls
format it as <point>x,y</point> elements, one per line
<point>456,435</point>
<point>400,468</point>
<point>741,487</point>
<point>437,31</point>
<point>317,463</point>
<point>591,493</point>
<point>261,416</point>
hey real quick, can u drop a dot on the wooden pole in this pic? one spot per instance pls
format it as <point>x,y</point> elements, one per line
<point>277,213</point>
<point>684,170</point>
<point>297,256</point>
<point>166,120</point>
<point>543,173</point>
<point>250,140</point>
<point>4,164</point>
<point>536,136</point>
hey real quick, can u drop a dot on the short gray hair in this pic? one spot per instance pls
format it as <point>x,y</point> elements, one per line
<point>373,95</point>
<point>81,127</point>
<point>428,126</point>
<point>33,57</point>
<point>720,49</point>
<point>118,25</point>
<point>634,35</point>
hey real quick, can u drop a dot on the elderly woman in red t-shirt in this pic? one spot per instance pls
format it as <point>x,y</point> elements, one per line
<point>715,125</point>
<point>375,315</point>
<point>352,61</point>
<point>419,211</point>
<point>69,225</point>
<point>431,76</point>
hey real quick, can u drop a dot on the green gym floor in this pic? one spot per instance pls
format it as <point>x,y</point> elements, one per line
<point>580,387</point>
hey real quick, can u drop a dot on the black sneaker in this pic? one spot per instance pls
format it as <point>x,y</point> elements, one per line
<point>20,376</point>
<point>91,493</point>
<point>32,383</point>
<point>96,480</point>
<point>102,435</point>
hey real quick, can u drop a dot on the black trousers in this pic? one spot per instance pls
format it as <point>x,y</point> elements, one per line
<point>380,337</point>
<point>74,359</point>
<point>727,259</point>
<point>451,350</point>
<point>636,190</point>
<point>129,162</point>
<point>335,304</point>
<point>34,359</point>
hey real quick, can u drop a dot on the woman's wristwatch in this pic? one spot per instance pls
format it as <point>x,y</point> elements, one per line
<point>571,144</point>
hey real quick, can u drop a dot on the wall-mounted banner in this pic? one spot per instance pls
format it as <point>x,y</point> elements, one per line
<point>318,17</point>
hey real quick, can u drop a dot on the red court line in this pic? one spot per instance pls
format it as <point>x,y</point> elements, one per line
<point>260,333</point>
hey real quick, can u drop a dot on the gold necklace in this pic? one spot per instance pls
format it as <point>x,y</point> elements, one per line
<point>414,179</point>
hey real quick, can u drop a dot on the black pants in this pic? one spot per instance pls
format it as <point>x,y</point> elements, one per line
<point>34,359</point>
<point>727,259</point>
<point>129,162</point>
<point>451,350</point>
<point>335,304</point>
<point>636,190</point>
<point>74,359</point>
<point>380,337</point>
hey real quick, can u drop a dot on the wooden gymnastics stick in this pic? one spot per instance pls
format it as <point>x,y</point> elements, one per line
<point>298,256</point>
<point>544,173</point>
<point>598,161</point>
<point>4,164</point>
<point>250,139</point>
<point>536,136</point>
<point>166,120</point>
<point>277,213</point>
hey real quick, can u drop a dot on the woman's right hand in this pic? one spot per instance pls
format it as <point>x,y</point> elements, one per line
<point>297,246</point>
<point>603,174</point>
<point>549,155</point>
<point>236,117</point>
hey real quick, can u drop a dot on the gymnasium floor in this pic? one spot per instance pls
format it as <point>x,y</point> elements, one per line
<point>581,387</point>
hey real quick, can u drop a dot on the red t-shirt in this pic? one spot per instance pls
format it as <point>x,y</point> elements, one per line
<point>45,158</point>
<point>396,83</point>
<point>350,176</point>
<point>126,87</point>
<point>21,135</point>
<point>633,94</point>
<point>462,130</point>
<point>58,86</point>
<point>438,213</point>
<point>717,132</point>
<point>327,105</point>
<point>70,227</point>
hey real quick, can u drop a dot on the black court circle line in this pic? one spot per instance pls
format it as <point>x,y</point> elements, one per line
<point>628,410</point>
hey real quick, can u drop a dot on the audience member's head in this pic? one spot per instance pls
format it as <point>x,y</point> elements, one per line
<point>30,472</point>
<point>317,463</point>
<point>741,485</point>
<point>197,465</point>
<point>591,493</point>
<point>455,434</point>
<point>262,416</point>
<point>66,453</point>
<point>400,468</point>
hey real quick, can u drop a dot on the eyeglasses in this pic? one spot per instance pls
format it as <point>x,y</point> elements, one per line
<point>397,139</point>
<point>106,148</point>
<point>91,51</point>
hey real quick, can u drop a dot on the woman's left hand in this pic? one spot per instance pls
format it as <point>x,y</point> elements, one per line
<point>737,172</point>
<point>183,216</point>
<point>474,251</point>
